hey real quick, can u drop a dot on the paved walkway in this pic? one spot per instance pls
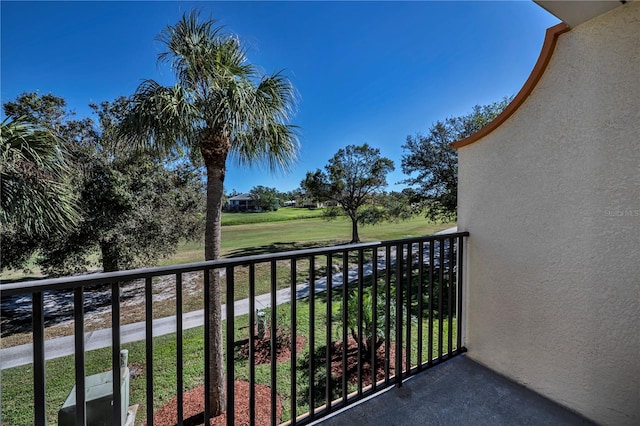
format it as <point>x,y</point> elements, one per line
<point>64,346</point>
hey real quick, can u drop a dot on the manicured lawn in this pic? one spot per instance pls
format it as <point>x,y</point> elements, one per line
<point>260,238</point>
<point>256,239</point>
<point>282,214</point>
<point>280,234</point>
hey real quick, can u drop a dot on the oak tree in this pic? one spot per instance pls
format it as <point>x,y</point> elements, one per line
<point>353,177</point>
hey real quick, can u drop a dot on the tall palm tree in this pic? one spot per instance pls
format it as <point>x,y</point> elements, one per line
<point>221,106</point>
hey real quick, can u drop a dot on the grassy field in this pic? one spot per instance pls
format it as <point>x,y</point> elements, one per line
<point>246,240</point>
<point>286,229</point>
<point>266,237</point>
<point>282,214</point>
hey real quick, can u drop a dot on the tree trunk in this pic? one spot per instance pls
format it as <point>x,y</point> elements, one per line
<point>354,231</point>
<point>109,257</point>
<point>214,151</point>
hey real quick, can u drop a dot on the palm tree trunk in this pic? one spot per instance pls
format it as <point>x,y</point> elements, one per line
<point>215,160</point>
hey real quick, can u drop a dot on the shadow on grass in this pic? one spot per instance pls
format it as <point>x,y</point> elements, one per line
<point>319,379</point>
<point>357,368</point>
<point>282,247</point>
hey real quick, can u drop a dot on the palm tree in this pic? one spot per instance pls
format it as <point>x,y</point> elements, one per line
<point>36,198</point>
<point>221,106</point>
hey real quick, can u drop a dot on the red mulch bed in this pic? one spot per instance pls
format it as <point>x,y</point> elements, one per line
<point>194,399</point>
<point>194,407</point>
<point>352,362</point>
<point>262,348</point>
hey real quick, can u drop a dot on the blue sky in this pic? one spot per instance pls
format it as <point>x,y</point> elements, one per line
<point>370,72</point>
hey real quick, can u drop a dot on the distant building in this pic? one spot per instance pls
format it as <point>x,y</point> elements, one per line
<point>313,203</point>
<point>242,203</point>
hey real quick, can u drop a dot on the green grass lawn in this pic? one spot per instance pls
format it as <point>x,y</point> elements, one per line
<point>259,239</point>
<point>279,234</point>
<point>282,214</point>
<point>268,237</point>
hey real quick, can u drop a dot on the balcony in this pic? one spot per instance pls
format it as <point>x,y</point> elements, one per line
<point>398,305</point>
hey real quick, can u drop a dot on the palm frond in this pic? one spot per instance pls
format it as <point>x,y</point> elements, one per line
<point>161,118</point>
<point>231,60</point>
<point>276,97</point>
<point>35,194</point>
<point>217,91</point>
<point>263,137</point>
<point>201,54</point>
<point>274,146</point>
<point>188,43</point>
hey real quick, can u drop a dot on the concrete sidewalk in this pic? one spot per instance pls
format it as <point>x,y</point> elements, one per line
<point>64,346</point>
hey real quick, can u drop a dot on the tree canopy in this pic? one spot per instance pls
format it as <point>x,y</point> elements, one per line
<point>268,199</point>
<point>352,178</point>
<point>129,206</point>
<point>433,165</point>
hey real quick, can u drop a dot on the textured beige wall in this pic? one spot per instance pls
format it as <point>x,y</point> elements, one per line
<point>552,202</point>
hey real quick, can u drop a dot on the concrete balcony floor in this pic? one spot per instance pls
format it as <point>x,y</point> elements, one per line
<point>457,392</point>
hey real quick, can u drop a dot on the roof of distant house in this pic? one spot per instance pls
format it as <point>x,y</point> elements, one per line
<point>241,197</point>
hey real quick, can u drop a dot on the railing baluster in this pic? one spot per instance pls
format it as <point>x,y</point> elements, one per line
<point>408,327</point>
<point>440,296</point>
<point>459,292</point>
<point>39,378</point>
<point>294,275</point>
<point>312,336</point>
<point>179,353</point>
<point>361,336</point>
<point>387,316</point>
<point>329,382</point>
<point>252,343</point>
<point>207,343</point>
<point>430,304</point>
<point>78,325</point>
<point>345,308</point>
<point>273,341</point>
<point>420,296</point>
<point>230,370</point>
<point>399,306</point>
<point>115,351</point>
<point>148,298</point>
<point>450,300</point>
<point>374,315</point>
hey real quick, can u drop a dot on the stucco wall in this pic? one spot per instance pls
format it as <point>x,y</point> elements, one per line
<point>552,202</point>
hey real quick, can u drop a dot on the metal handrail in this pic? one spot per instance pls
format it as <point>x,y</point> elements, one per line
<point>10,289</point>
<point>445,252</point>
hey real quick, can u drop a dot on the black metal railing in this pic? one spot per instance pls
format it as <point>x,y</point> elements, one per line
<point>354,319</point>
